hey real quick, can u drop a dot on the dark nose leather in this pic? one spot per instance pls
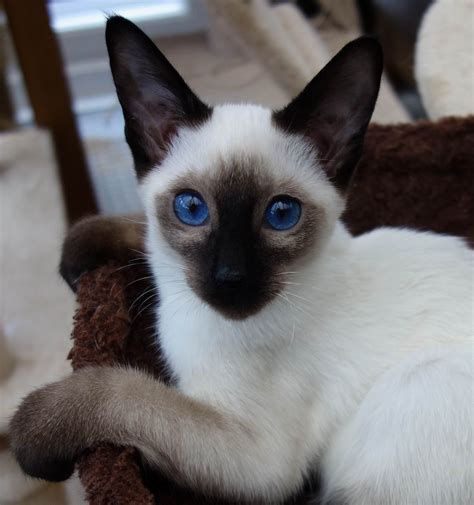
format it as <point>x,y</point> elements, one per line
<point>230,266</point>
<point>229,277</point>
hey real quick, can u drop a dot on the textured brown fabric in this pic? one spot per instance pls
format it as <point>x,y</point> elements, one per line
<point>418,175</point>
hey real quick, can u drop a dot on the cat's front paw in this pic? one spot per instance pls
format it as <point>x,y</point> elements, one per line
<point>98,240</point>
<point>46,433</point>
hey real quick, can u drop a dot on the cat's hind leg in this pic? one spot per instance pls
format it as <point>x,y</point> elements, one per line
<point>411,440</point>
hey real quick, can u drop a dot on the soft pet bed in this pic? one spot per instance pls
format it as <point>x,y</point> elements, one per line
<point>418,175</point>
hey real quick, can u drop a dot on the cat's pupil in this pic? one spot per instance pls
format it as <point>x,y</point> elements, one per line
<point>192,206</point>
<point>281,211</point>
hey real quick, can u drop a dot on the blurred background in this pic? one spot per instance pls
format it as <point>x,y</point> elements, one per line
<point>63,155</point>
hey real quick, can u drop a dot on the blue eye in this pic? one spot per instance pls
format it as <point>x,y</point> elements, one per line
<point>191,209</point>
<point>283,213</point>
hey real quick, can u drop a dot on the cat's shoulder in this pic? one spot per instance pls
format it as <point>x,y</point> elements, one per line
<point>397,254</point>
<point>408,242</point>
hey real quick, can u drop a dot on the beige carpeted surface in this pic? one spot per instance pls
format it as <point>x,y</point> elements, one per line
<point>36,307</point>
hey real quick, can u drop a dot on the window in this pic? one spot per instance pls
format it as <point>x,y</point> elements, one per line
<point>73,15</point>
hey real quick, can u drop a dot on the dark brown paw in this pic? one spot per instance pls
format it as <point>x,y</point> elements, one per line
<point>50,469</point>
<point>98,240</point>
<point>44,434</point>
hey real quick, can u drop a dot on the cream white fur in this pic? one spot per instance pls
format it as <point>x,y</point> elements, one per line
<point>363,368</point>
<point>444,66</point>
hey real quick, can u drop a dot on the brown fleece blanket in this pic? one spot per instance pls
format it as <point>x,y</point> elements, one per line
<point>416,175</point>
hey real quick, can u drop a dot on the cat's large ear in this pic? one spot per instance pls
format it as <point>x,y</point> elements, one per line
<point>334,109</point>
<point>155,99</point>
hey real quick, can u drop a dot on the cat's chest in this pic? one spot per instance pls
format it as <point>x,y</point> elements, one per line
<point>218,363</point>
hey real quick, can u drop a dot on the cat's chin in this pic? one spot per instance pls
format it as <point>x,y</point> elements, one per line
<point>237,307</point>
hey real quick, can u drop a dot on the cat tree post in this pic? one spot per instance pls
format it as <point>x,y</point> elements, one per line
<point>43,72</point>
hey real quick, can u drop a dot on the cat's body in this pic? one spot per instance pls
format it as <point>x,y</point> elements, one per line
<point>363,315</point>
<point>296,348</point>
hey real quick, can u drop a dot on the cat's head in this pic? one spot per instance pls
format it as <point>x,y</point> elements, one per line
<point>238,194</point>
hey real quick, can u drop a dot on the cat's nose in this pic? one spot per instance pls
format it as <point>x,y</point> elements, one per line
<point>230,277</point>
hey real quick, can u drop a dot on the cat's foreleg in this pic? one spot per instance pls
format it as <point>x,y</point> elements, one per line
<point>199,446</point>
<point>98,240</point>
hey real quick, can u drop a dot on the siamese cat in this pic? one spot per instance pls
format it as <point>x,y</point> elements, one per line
<point>296,348</point>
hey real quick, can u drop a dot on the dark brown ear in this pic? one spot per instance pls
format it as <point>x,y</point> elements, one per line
<point>334,109</point>
<point>155,99</point>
